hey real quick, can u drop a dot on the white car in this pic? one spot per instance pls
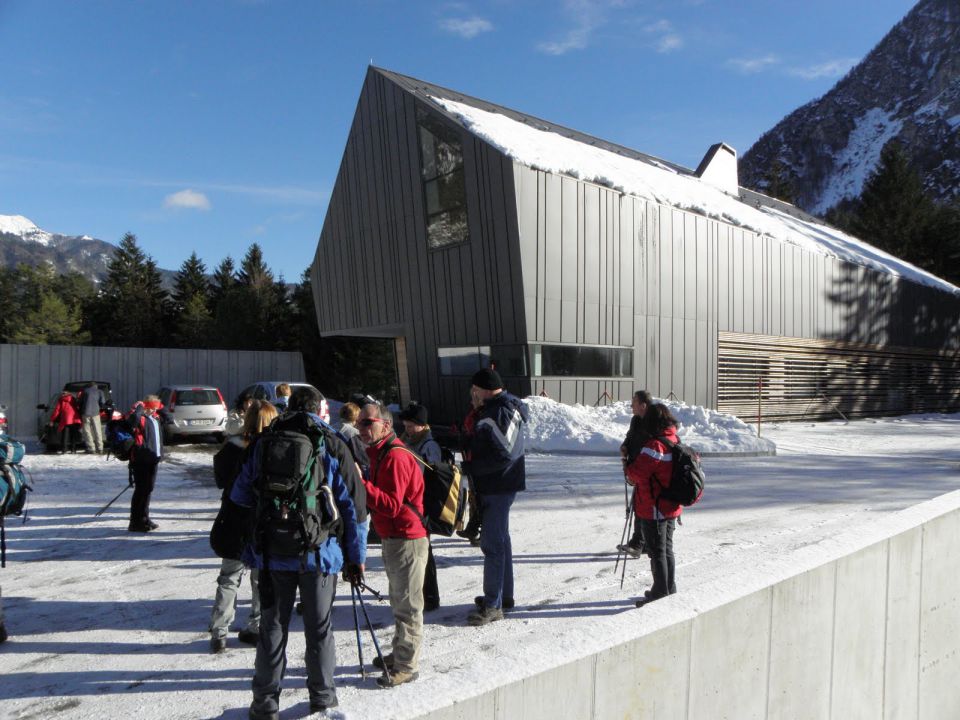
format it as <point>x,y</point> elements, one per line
<point>190,410</point>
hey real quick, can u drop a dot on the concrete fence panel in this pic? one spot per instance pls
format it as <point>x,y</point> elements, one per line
<point>31,374</point>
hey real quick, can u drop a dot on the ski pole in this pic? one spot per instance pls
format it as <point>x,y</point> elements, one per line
<point>366,617</point>
<point>626,521</point>
<point>363,586</point>
<point>623,572</point>
<point>103,509</point>
<point>354,590</point>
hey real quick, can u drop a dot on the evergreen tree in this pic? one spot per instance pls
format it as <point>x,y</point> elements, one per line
<point>51,323</point>
<point>133,308</point>
<point>193,325</point>
<point>780,183</point>
<point>191,281</point>
<point>224,279</point>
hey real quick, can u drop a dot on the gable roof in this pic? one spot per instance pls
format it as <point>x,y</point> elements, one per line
<point>553,148</point>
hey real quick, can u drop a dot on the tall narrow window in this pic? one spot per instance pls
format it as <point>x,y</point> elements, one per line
<point>444,192</point>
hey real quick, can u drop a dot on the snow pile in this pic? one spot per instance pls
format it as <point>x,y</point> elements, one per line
<point>558,428</point>
<point>551,152</point>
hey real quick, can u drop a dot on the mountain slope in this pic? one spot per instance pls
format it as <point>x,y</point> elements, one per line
<point>907,89</point>
<point>21,241</point>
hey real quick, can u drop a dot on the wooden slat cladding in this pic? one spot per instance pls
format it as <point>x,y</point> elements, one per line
<point>805,378</point>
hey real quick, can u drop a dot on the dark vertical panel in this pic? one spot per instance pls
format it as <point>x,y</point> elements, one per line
<point>553,258</point>
<point>569,232</point>
<point>526,184</point>
<point>590,280</point>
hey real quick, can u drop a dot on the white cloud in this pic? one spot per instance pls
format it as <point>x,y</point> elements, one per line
<point>466,27</point>
<point>750,66</point>
<point>668,40</point>
<point>587,16</point>
<point>829,69</point>
<point>187,199</point>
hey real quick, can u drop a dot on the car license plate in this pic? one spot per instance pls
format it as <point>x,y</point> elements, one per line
<point>200,422</point>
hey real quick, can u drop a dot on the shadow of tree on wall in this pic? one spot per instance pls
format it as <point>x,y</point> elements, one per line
<point>897,349</point>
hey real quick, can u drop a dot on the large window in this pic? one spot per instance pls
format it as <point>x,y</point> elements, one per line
<point>445,196</point>
<point>509,360</point>
<point>581,361</point>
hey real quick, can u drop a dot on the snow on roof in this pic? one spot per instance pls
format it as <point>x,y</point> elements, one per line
<point>551,152</point>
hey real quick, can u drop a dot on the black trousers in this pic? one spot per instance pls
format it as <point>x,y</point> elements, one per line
<point>431,593</point>
<point>144,478</point>
<point>658,543</point>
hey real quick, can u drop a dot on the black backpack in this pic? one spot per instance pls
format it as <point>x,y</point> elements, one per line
<point>686,477</point>
<point>296,511</point>
<point>13,487</point>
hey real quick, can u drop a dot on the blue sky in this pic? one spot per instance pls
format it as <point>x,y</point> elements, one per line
<point>213,124</point>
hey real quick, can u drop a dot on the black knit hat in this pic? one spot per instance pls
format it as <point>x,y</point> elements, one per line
<point>415,413</point>
<point>487,379</point>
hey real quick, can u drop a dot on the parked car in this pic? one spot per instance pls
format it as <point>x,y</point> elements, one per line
<point>3,419</point>
<point>191,410</point>
<point>51,440</point>
<point>267,390</point>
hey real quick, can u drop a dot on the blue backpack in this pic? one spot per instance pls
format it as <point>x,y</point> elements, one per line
<point>118,440</point>
<point>13,487</point>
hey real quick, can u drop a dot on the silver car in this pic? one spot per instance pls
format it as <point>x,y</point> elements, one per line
<point>267,390</point>
<point>190,411</point>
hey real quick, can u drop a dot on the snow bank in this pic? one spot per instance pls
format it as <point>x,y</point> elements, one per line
<point>558,428</point>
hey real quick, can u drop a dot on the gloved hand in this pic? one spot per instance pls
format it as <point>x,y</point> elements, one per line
<point>353,573</point>
<point>131,480</point>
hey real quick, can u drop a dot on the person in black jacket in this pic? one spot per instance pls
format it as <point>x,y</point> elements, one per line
<point>144,459</point>
<point>637,437</point>
<point>496,467</point>
<point>226,466</point>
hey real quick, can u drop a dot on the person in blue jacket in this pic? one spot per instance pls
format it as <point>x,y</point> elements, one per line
<point>317,583</point>
<point>497,471</point>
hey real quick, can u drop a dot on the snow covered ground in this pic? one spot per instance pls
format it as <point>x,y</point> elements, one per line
<point>109,624</point>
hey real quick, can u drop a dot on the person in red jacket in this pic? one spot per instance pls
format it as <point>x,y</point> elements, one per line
<point>66,413</point>
<point>395,500</point>
<point>649,473</point>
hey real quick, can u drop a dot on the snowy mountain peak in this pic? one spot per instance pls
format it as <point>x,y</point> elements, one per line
<point>906,89</point>
<point>24,228</point>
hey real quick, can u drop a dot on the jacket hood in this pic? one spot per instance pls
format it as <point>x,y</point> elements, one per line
<point>511,402</point>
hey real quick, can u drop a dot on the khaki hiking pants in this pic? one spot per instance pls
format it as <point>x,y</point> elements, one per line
<point>405,562</point>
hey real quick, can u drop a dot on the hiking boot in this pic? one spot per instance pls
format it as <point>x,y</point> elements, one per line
<point>266,709</point>
<point>3,633</point>
<point>387,660</point>
<point>392,679</point>
<point>319,706</point>
<point>630,549</point>
<point>484,616</point>
<point>507,603</point>
<point>152,525</point>
<point>250,637</point>
<point>218,644</point>
<point>431,604</point>
<point>468,534</point>
<point>138,527</point>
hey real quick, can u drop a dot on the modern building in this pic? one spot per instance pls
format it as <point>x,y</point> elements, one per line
<point>475,234</point>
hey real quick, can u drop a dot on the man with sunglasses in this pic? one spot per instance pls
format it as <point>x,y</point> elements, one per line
<point>395,501</point>
<point>144,459</point>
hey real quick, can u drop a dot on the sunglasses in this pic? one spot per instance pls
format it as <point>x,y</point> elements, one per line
<point>368,422</point>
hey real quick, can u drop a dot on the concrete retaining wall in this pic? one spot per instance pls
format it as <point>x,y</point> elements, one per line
<point>31,374</point>
<point>872,632</point>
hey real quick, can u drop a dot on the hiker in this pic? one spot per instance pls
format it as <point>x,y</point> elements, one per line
<point>237,416</point>
<point>312,571</point>
<point>66,416</point>
<point>649,471</point>
<point>395,498</point>
<point>226,466</point>
<point>471,531</point>
<point>283,397</point>
<point>145,456</point>
<point>497,471</point>
<point>632,445</point>
<point>91,400</point>
<point>419,438</point>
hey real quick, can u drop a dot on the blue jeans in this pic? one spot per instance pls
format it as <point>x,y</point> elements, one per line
<point>497,549</point>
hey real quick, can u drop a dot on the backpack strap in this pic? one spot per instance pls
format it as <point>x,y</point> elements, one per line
<point>390,445</point>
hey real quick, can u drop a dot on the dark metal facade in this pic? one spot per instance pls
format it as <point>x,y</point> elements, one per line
<point>552,259</point>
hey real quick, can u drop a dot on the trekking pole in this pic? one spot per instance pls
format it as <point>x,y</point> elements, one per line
<point>103,509</point>
<point>366,617</point>
<point>354,590</point>
<point>363,586</point>
<point>623,572</point>
<point>626,521</point>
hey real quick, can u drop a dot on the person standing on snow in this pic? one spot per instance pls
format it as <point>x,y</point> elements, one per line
<point>498,473</point>
<point>632,446</point>
<point>395,499</point>
<point>91,400</point>
<point>145,456</point>
<point>649,473</point>
<point>66,415</point>
<point>419,438</point>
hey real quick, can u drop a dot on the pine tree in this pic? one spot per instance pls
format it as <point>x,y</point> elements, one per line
<point>780,183</point>
<point>191,281</point>
<point>133,308</point>
<point>192,328</point>
<point>224,279</point>
<point>253,270</point>
<point>51,323</point>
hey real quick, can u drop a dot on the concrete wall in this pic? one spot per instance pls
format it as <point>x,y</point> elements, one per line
<point>31,374</point>
<point>871,633</point>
